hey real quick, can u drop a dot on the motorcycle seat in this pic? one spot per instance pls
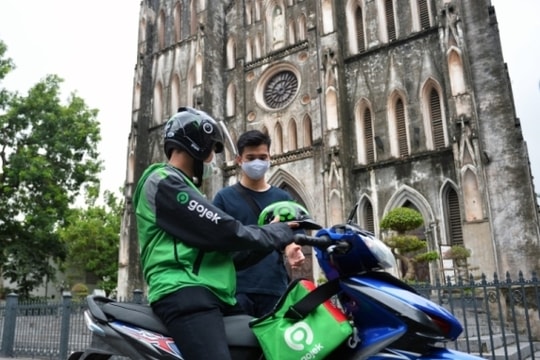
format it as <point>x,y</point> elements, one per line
<point>135,314</point>
<point>236,326</point>
<point>238,331</point>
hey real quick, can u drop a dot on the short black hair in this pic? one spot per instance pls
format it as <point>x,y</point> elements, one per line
<point>252,138</point>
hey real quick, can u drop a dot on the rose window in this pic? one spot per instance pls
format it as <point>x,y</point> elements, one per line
<point>280,89</point>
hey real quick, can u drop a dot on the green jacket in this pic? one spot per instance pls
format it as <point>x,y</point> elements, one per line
<point>185,240</point>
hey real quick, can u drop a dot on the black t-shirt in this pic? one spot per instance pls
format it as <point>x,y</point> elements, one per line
<point>269,275</point>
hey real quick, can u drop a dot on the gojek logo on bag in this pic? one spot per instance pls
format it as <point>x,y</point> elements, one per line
<point>299,337</point>
<point>194,205</point>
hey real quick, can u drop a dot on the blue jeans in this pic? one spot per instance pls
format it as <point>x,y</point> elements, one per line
<point>194,318</point>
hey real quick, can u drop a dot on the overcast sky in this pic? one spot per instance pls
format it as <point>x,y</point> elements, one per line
<point>92,45</point>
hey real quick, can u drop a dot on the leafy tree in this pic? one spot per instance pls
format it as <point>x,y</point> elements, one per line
<point>406,247</point>
<point>48,153</point>
<point>92,237</point>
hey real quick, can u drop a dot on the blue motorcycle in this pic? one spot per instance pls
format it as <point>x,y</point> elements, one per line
<point>391,320</point>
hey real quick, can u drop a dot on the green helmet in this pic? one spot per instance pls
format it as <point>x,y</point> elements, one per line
<point>287,211</point>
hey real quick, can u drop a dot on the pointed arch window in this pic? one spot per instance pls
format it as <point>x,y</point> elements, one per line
<point>423,14</point>
<point>231,53</point>
<point>278,139</point>
<point>453,218</point>
<point>158,104</point>
<point>308,136</point>
<point>231,100</point>
<point>436,119</point>
<point>327,16</point>
<point>249,50</point>
<point>248,8</point>
<point>368,136</point>
<point>302,28</point>
<point>360,36</point>
<point>292,137</point>
<point>401,128</point>
<point>175,94</point>
<point>331,109</point>
<point>336,212</point>
<point>367,219</point>
<point>137,97</point>
<point>258,8</point>
<point>161,31</point>
<point>292,33</point>
<point>190,86</point>
<point>472,199</point>
<point>258,46</point>
<point>457,75</point>
<point>193,17</point>
<point>177,22</point>
<point>142,32</point>
<point>390,20</point>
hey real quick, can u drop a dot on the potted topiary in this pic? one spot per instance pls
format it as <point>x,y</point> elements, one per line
<point>405,246</point>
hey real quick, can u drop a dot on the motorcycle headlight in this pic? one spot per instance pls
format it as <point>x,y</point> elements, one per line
<point>380,251</point>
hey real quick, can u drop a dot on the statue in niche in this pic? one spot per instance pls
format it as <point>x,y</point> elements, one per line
<point>452,31</point>
<point>468,161</point>
<point>329,65</point>
<point>200,36</point>
<point>467,151</point>
<point>278,26</point>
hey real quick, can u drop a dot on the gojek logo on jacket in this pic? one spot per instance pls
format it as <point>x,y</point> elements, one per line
<point>195,206</point>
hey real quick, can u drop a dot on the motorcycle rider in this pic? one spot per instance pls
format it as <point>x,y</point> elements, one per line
<point>185,241</point>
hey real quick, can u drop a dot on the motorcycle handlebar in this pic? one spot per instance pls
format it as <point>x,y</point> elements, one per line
<point>321,242</point>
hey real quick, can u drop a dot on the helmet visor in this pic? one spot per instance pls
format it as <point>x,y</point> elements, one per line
<point>227,139</point>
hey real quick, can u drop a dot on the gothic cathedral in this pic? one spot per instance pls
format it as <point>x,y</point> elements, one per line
<point>371,105</point>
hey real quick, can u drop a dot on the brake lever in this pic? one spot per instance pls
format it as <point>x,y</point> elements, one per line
<point>330,249</point>
<point>341,247</point>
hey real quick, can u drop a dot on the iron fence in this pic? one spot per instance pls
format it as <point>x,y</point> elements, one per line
<point>500,318</point>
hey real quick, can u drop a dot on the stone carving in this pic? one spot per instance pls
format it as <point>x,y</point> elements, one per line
<point>452,25</point>
<point>329,65</point>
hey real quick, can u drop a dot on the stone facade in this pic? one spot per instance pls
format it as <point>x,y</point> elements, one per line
<point>377,103</point>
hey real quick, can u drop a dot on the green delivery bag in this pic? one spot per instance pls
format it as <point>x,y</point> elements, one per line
<point>303,327</point>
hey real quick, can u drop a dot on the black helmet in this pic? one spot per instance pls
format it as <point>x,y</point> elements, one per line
<point>287,211</point>
<point>194,131</point>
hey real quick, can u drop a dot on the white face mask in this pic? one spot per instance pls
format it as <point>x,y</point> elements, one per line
<point>255,169</point>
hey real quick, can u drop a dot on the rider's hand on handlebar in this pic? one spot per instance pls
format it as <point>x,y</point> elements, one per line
<point>295,256</point>
<point>292,224</point>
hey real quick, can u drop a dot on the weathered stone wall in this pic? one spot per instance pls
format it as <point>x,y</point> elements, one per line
<point>483,140</point>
